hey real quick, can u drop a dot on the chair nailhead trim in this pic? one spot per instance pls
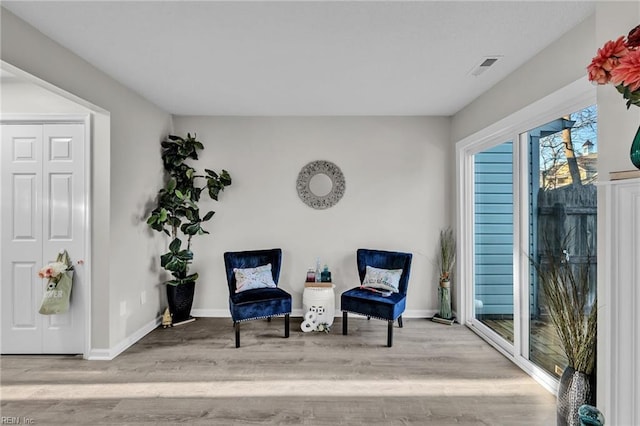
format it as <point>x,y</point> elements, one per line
<point>265,316</point>
<point>371,316</point>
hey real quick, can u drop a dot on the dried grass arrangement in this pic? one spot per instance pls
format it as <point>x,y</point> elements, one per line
<point>566,292</point>
<point>447,254</point>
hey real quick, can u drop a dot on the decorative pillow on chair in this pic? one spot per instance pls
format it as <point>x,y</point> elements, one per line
<point>251,278</point>
<point>382,279</point>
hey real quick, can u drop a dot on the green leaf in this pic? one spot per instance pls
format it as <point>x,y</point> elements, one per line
<point>213,192</point>
<point>190,229</point>
<point>211,173</point>
<point>152,219</point>
<point>175,264</point>
<point>163,215</point>
<point>185,255</point>
<point>191,204</point>
<point>208,216</point>
<point>225,178</point>
<point>174,247</point>
<point>179,194</point>
<point>183,280</point>
<point>165,259</point>
<point>171,184</point>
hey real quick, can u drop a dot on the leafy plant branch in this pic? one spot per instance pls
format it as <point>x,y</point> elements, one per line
<point>177,209</point>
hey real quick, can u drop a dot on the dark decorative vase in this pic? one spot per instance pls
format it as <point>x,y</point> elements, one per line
<point>180,299</point>
<point>635,150</point>
<point>576,389</point>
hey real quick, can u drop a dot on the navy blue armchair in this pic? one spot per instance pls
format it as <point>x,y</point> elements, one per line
<point>258,302</point>
<point>374,304</point>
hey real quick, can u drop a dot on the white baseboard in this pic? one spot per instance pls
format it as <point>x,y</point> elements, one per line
<point>111,353</point>
<point>211,313</point>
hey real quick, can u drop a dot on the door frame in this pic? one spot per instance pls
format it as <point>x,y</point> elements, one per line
<point>85,120</point>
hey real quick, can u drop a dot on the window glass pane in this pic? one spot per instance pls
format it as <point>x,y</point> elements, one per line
<point>493,239</point>
<point>562,204</point>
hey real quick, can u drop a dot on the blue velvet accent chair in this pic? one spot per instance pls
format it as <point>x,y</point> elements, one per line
<point>374,305</point>
<point>260,302</point>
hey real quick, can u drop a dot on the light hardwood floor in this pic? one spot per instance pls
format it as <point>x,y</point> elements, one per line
<point>546,350</point>
<point>433,375</point>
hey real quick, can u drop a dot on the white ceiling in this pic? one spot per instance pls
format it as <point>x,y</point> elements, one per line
<point>303,57</point>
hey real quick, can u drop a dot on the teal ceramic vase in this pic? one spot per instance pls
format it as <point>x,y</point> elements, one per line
<point>635,150</point>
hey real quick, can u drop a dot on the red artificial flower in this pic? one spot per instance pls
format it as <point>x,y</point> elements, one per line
<point>607,59</point>
<point>627,72</point>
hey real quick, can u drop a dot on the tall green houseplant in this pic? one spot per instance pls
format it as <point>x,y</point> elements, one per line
<point>177,212</point>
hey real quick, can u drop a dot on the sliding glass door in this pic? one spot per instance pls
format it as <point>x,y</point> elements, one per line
<point>536,186</point>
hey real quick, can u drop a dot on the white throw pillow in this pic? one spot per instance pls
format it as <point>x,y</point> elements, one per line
<point>251,278</point>
<point>382,279</point>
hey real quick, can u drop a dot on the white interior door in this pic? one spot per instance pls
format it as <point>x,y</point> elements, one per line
<point>43,212</point>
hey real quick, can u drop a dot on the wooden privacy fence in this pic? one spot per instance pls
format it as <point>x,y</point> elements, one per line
<point>566,224</point>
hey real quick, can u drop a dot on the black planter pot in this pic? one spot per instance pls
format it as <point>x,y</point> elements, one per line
<point>180,299</point>
<point>575,389</point>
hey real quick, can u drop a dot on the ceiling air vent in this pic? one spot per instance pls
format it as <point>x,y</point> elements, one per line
<point>484,65</point>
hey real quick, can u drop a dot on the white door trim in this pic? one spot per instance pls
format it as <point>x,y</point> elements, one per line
<point>84,119</point>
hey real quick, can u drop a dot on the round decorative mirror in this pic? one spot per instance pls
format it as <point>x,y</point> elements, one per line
<point>320,184</point>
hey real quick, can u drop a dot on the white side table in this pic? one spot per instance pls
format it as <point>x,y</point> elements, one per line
<point>322,301</point>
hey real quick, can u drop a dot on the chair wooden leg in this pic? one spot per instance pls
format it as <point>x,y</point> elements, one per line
<point>286,325</point>
<point>344,323</point>
<point>390,333</point>
<point>400,321</point>
<point>236,326</point>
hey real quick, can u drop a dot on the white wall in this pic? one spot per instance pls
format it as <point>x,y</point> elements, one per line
<point>19,97</point>
<point>558,65</point>
<point>125,176</point>
<point>395,198</point>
